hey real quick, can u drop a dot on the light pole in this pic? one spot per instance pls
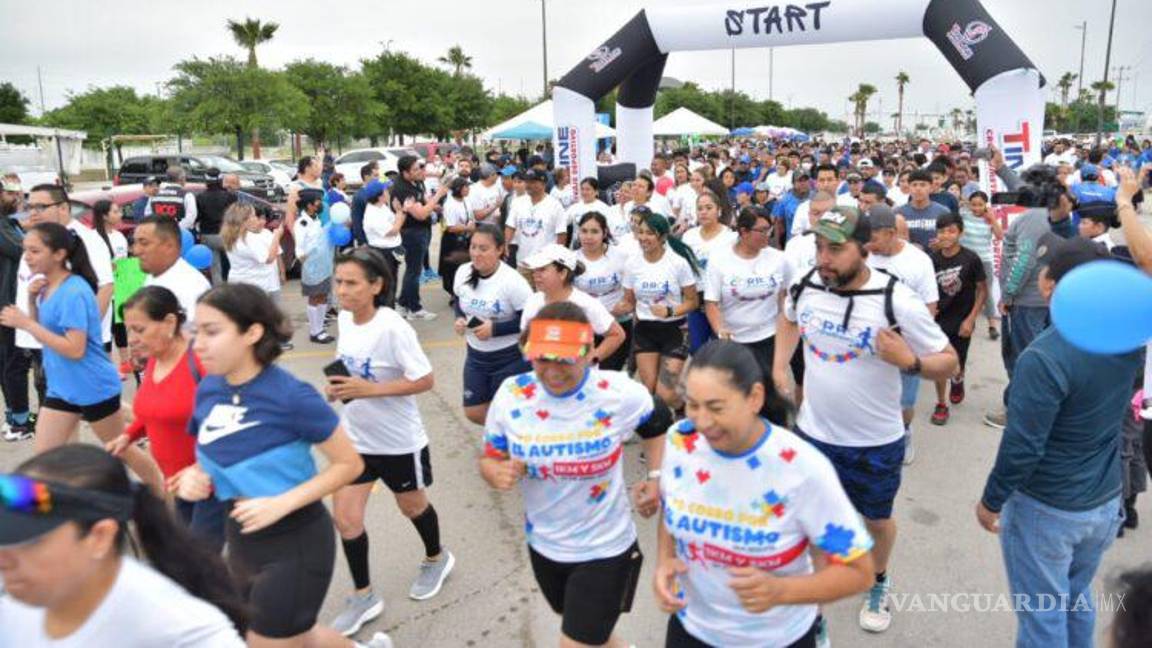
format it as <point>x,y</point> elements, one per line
<point>771,66</point>
<point>544,41</point>
<point>1083,28</point>
<point>1104,85</point>
<point>732,98</point>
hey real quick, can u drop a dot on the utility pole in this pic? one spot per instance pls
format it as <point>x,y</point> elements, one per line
<point>732,98</point>
<point>40,82</point>
<point>1120,79</point>
<point>544,33</point>
<point>1103,91</point>
<point>1083,27</point>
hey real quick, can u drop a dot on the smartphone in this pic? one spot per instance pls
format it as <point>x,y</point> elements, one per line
<point>338,368</point>
<point>473,322</point>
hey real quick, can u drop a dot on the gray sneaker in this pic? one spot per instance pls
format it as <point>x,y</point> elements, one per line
<point>421,315</point>
<point>379,640</point>
<point>358,610</point>
<point>997,418</point>
<point>431,577</point>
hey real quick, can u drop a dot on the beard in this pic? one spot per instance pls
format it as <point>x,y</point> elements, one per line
<point>839,280</point>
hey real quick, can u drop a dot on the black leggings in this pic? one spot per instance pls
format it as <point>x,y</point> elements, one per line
<point>619,357</point>
<point>678,637</point>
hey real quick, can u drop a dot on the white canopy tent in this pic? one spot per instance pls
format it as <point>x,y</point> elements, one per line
<point>685,122</point>
<point>541,114</point>
<point>56,148</point>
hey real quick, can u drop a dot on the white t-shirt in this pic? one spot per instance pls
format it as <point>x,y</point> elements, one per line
<point>307,233</point>
<point>778,184</point>
<point>898,198</point>
<point>661,283</point>
<point>143,609</point>
<point>800,222</point>
<point>703,249</point>
<point>683,200</point>
<point>564,195</point>
<point>912,266</point>
<point>382,350</point>
<point>799,258</point>
<point>620,224</point>
<point>457,212</point>
<point>577,210</point>
<point>1067,157</point>
<point>851,396</point>
<point>379,219</point>
<point>656,203</point>
<point>846,200</point>
<point>186,282</point>
<point>598,316</point>
<point>249,261</point>
<point>101,259</point>
<point>24,278</point>
<point>747,291</point>
<point>119,244</point>
<point>496,298</point>
<point>604,277</point>
<point>537,225</point>
<point>765,507</point>
<point>575,498</point>
<point>483,197</point>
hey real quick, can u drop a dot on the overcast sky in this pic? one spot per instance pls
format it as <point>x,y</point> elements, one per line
<point>82,43</point>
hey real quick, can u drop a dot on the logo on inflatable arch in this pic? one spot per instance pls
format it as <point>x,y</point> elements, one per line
<point>603,57</point>
<point>1015,146</point>
<point>963,39</point>
<point>568,151</point>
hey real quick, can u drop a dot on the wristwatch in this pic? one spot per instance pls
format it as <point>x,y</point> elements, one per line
<point>914,370</point>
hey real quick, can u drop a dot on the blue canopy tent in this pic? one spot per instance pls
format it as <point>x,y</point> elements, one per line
<point>744,132</point>
<point>525,131</point>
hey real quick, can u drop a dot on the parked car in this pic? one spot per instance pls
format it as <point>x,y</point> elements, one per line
<point>30,176</point>
<point>136,169</point>
<point>126,196</point>
<point>351,162</point>
<point>281,174</point>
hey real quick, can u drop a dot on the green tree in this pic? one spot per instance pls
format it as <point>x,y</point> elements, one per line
<point>456,59</point>
<point>1065,86</point>
<point>469,101</point>
<point>221,95</point>
<point>104,112</point>
<point>871,128</point>
<point>249,34</point>
<point>809,120</point>
<point>902,79</point>
<point>13,105</point>
<point>409,90</point>
<point>860,100</point>
<point>503,107</point>
<point>690,96</point>
<point>339,103</point>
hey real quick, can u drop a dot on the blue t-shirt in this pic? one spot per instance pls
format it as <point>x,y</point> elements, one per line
<point>786,208</point>
<point>922,222</point>
<point>93,378</point>
<point>261,446</point>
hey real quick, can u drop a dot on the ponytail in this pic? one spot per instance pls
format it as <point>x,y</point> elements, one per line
<point>100,210</point>
<point>659,225</point>
<point>57,237</point>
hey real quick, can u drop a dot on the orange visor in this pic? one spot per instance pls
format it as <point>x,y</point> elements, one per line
<point>558,340</point>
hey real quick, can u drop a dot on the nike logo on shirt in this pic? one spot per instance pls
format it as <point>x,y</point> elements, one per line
<point>222,421</point>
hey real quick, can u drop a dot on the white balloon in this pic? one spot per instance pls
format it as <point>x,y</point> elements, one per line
<point>340,213</point>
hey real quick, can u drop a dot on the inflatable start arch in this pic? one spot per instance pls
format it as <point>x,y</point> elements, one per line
<point>1006,85</point>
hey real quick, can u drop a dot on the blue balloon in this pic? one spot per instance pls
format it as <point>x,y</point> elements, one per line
<point>186,241</point>
<point>339,235</point>
<point>199,256</point>
<point>1104,307</point>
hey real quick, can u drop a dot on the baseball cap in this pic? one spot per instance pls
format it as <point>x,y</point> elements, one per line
<point>375,188</point>
<point>866,163</point>
<point>212,174</point>
<point>763,186</point>
<point>549,254</point>
<point>508,170</point>
<point>558,340</point>
<point>1061,255</point>
<point>854,177</point>
<point>30,507</point>
<point>881,217</point>
<point>745,188</point>
<point>800,176</point>
<point>151,180</point>
<point>1098,210</point>
<point>1089,172</point>
<point>531,174</point>
<point>842,224</point>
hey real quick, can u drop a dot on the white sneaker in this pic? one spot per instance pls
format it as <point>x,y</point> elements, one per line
<point>909,449</point>
<point>379,640</point>
<point>874,614</point>
<point>421,315</point>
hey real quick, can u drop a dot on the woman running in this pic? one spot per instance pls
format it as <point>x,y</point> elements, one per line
<point>63,316</point>
<point>66,517</point>
<point>743,287</point>
<point>554,271</point>
<point>660,287</point>
<point>558,431</point>
<point>490,296</point>
<point>734,566</point>
<point>255,425</point>
<point>384,369</point>
<point>165,399</point>
<point>703,239</point>
<point>603,278</point>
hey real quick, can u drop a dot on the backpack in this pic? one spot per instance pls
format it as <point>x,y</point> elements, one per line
<point>889,310</point>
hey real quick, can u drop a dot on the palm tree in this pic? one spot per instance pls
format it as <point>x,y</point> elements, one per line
<point>249,34</point>
<point>456,59</point>
<point>1065,86</point>
<point>957,120</point>
<point>1103,87</point>
<point>860,99</point>
<point>902,80</point>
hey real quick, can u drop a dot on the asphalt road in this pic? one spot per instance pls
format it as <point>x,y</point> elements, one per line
<point>491,598</point>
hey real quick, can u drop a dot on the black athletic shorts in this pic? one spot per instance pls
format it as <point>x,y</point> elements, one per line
<point>91,413</point>
<point>678,637</point>
<point>591,595</point>
<point>961,345</point>
<point>400,473</point>
<point>666,338</point>
<point>288,568</point>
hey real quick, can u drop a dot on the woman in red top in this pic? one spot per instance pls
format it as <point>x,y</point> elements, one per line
<point>166,398</point>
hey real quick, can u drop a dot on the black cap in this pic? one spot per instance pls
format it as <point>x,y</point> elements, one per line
<point>151,180</point>
<point>531,174</point>
<point>1062,255</point>
<point>212,174</point>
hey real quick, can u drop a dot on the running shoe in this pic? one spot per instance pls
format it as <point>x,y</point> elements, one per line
<point>940,415</point>
<point>287,346</point>
<point>956,391</point>
<point>996,418</point>
<point>14,433</point>
<point>322,338</point>
<point>421,315</point>
<point>874,614</point>
<point>431,576</point>
<point>822,640</point>
<point>379,640</point>
<point>358,610</point>
<point>909,448</point>
<point>993,333</point>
